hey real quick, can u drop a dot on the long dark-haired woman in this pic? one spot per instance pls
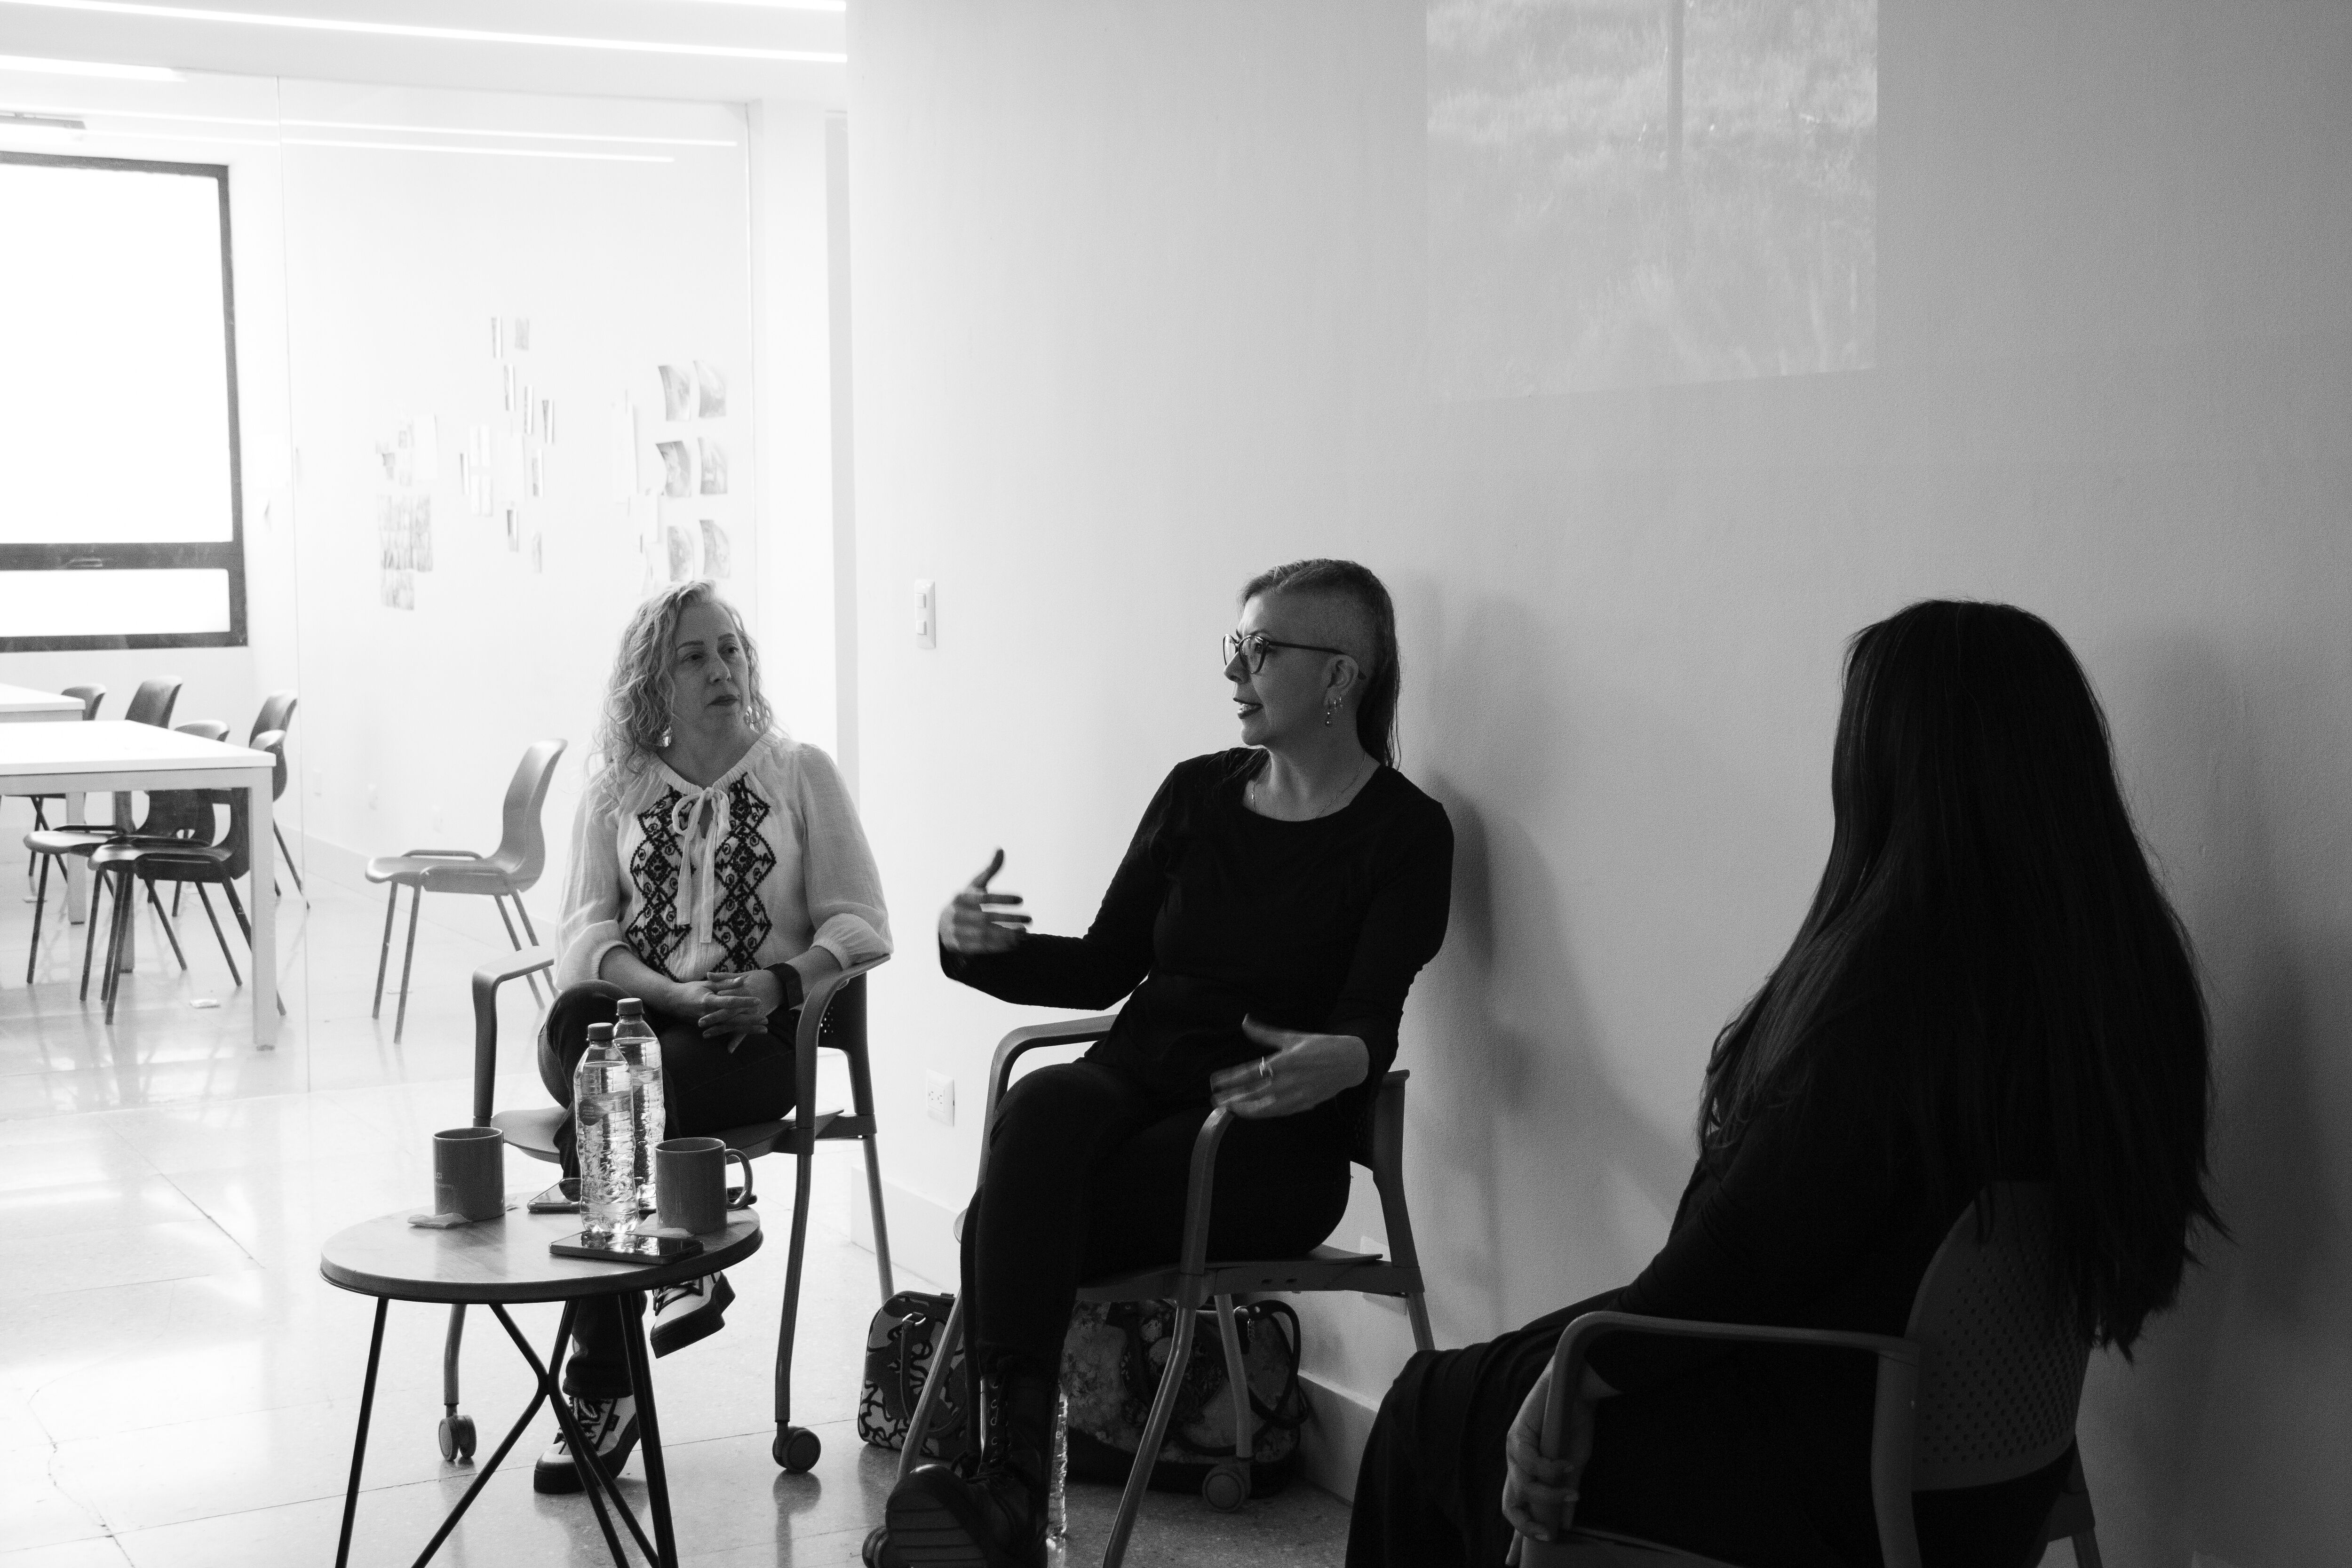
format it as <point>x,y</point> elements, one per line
<point>1270,915</point>
<point>1989,985</point>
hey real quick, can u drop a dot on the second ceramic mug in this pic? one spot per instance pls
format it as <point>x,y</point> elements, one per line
<point>690,1175</point>
<point>469,1172</point>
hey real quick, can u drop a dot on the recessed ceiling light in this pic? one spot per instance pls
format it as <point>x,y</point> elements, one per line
<point>447,34</point>
<point>89,68</point>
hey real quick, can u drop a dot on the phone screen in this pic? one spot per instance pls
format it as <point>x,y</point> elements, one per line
<point>628,1248</point>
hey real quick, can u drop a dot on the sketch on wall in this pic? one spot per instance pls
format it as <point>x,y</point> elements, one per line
<point>715,562</point>
<point>711,384</point>
<point>677,394</point>
<point>403,526</point>
<point>677,469</point>
<point>1627,193</point>
<point>714,466</point>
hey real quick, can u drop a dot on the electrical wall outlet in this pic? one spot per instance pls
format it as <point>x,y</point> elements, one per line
<point>927,607</point>
<point>938,1097</point>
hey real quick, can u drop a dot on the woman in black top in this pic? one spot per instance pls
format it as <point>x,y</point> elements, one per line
<point>1268,919</point>
<point>1989,985</point>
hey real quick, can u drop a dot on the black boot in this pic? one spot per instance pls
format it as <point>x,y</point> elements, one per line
<point>996,1519</point>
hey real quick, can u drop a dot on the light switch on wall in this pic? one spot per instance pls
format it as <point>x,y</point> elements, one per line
<point>926,612</point>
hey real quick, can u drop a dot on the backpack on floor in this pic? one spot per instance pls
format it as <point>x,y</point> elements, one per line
<point>899,1345</point>
<point>1112,1362</point>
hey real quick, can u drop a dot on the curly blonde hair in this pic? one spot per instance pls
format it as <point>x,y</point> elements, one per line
<point>635,721</point>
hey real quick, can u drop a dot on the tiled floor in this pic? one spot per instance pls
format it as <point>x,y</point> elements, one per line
<point>178,1386</point>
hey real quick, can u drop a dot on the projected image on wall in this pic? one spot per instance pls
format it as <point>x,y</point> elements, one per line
<point>1626,193</point>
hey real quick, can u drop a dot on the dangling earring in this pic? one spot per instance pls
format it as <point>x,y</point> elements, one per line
<point>1328,710</point>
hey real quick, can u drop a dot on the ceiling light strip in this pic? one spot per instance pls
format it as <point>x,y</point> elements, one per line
<point>444,34</point>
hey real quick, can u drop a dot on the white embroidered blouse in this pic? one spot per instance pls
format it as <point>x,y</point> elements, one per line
<point>766,863</point>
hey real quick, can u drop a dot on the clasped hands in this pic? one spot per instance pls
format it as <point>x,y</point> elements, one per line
<point>1299,1071</point>
<point>731,1004</point>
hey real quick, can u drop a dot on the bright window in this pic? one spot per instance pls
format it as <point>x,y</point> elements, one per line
<point>118,396</point>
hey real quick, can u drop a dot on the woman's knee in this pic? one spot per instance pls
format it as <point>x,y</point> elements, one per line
<point>565,1034</point>
<point>1054,1101</point>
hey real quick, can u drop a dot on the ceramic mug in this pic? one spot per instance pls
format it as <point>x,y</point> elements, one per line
<point>469,1172</point>
<point>690,1178</point>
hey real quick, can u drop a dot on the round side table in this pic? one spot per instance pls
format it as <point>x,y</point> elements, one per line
<point>501,1262</point>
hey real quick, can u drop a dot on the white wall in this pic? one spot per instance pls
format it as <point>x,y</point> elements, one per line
<point>1140,303</point>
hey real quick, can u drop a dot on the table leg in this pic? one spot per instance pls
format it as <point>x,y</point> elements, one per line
<point>259,834</point>
<point>539,1396</point>
<point>641,1379</point>
<point>358,1442</point>
<point>77,869</point>
<point>591,1473</point>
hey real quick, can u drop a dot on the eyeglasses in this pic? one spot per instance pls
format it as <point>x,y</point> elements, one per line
<point>1253,647</point>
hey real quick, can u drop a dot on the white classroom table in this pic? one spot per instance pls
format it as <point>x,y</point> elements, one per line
<point>109,755</point>
<point>20,704</point>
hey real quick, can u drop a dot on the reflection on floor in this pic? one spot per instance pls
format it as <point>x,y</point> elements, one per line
<point>178,1386</point>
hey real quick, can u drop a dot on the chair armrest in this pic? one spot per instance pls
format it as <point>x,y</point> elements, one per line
<point>486,981</point>
<point>815,1002</point>
<point>1892,1434</point>
<point>1200,1189</point>
<point>440,855</point>
<point>1010,1049</point>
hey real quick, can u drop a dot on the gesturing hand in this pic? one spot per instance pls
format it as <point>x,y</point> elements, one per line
<point>1299,1070</point>
<point>977,920</point>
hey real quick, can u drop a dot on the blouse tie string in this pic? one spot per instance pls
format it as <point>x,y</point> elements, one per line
<point>683,818</point>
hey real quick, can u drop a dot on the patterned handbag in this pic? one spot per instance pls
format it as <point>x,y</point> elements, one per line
<point>1113,1361</point>
<point>899,1346</point>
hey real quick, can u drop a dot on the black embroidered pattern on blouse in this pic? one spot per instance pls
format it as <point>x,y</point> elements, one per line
<point>741,923</point>
<point>655,933</point>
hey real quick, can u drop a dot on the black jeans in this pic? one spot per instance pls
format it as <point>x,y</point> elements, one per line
<point>706,1089</point>
<point>1708,1462</point>
<point>1085,1174</point>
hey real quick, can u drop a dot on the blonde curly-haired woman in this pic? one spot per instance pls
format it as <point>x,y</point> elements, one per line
<point>718,870</point>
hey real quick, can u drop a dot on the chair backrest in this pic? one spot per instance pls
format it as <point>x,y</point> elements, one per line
<point>186,813</point>
<point>2001,1363</point>
<point>276,714</point>
<point>522,853</point>
<point>273,742</point>
<point>90,697</point>
<point>152,702</point>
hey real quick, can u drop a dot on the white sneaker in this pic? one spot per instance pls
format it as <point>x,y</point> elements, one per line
<point>691,1311</point>
<point>610,1425</point>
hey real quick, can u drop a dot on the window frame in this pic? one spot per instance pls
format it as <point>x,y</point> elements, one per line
<point>216,554</point>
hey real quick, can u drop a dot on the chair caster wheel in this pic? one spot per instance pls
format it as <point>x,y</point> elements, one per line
<point>871,1555</point>
<point>457,1437</point>
<point>796,1449</point>
<point>1226,1487</point>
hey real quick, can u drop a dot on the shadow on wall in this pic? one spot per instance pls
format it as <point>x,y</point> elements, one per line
<point>1528,1157</point>
<point>2182,1447</point>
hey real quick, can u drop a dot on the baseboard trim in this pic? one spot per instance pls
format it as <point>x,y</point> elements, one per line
<point>1331,1447</point>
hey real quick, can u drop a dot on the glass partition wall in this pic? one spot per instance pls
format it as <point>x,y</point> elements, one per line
<point>478,376</point>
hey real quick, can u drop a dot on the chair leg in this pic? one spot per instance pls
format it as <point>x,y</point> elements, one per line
<point>169,934</point>
<point>1236,1379</point>
<point>1155,1431</point>
<point>408,962</point>
<point>499,901</point>
<point>40,902</point>
<point>806,1161</point>
<point>383,953</point>
<point>532,937</point>
<point>2086,1550</point>
<point>881,1221</point>
<point>89,927</point>
<point>125,906</point>
<point>1416,1307</point>
<point>219,936</point>
<point>178,890</point>
<point>287,855</point>
<point>245,925</point>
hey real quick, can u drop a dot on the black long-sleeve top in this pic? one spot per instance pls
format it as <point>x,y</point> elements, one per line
<point>1217,912</point>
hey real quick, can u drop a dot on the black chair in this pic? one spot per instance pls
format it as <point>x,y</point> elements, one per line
<point>191,857</point>
<point>175,819</point>
<point>1193,1282</point>
<point>90,697</point>
<point>277,714</point>
<point>832,1017</point>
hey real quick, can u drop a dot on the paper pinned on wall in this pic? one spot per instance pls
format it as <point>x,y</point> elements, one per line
<point>714,466</point>
<point>681,554</point>
<point>514,528</point>
<point>507,392</point>
<point>712,383</point>
<point>678,392</point>
<point>498,338</point>
<point>530,411</point>
<point>716,557</point>
<point>547,420</point>
<point>538,552</point>
<point>522,334</point>
<point>677,469</point>
<point>538,475</point>
<point>404,547</point>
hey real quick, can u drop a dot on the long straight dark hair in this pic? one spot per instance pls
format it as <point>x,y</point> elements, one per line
<point>1988,932</point>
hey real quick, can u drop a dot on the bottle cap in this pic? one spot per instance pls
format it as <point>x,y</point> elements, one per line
<point>598,1033</point>
<point>631,1007</point>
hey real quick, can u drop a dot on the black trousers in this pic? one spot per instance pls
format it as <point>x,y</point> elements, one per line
<point>706,1089</point>
<point>1709,1462</point>
<point>1084,1174</point>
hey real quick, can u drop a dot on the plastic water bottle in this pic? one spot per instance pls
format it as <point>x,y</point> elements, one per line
<point>641,1047</point>
<point>605,1122</point>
